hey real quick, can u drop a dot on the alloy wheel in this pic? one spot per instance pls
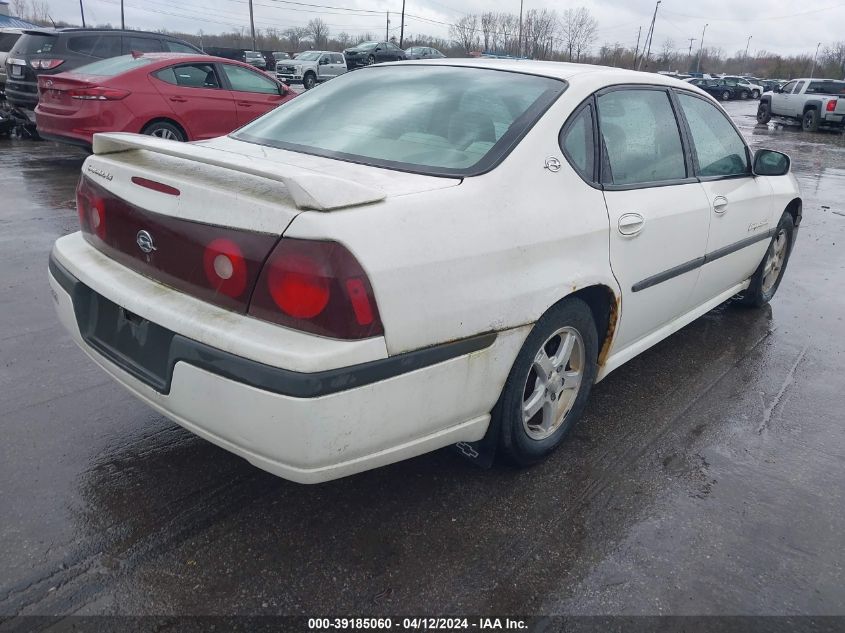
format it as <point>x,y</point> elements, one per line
<point>774,261</point>
<point>553,383</point>
<point>165,134</point>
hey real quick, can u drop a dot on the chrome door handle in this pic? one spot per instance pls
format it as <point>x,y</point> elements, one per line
<point>631,223</point>
<point>720,204</point>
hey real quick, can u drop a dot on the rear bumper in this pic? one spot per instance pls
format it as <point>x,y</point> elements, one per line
<point>83,141</point>
<point>311,427</point>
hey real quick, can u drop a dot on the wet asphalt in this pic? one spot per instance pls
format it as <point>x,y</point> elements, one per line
<point>707,476</point>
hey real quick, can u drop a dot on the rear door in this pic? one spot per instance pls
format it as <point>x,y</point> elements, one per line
<point>659,215</point>
<point>338,64</point>
<point>139,44</point>
<point>740,204</point>
<point>195,94</point>
<point>254,92</point>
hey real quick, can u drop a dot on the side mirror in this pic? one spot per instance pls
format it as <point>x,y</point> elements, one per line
<point>377,49</point>
<point>778,89</point>
<point>768,162</point>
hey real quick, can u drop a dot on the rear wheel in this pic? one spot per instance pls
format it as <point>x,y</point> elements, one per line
<point>764,113</point>
<point>767,277</point>
<point>549,383</point>
<point>810,122</point>
<point>309,81</point>
<point>755,94</point>
<point>165,130</point>
<point>726,95</point>
<point>371,60</point>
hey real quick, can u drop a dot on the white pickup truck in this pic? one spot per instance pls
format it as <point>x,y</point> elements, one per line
<point>814,102</point>
<point>310,68</point>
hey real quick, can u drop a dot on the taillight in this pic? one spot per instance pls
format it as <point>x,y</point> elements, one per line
<point>46,64</point>
<point>98,94</point>
<point>831,105</point>
<point>316,286</point>
<point>91,209</point>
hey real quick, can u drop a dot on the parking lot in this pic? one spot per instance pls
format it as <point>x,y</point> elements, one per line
<point>705,478</point>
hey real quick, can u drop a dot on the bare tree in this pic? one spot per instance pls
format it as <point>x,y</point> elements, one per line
<point>489,24</point>
<point>538,30</point>
<point>19,8</point>
<point>343,38</point>
<point>319,32</point>
<point>508,27</point>
<point>295,36</point>
<point>578,30</point>
<point>667,52</point>
<point>465,32</point>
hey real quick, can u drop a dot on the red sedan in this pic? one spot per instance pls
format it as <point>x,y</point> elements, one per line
<point>182,97</point>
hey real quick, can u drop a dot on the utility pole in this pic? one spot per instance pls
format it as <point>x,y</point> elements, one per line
<point>813,70</point>
<point>519,52</point>
<point>701,49</point>
<point>745,59</point>
<point>387,28</point>
<point>402,26</point>
<point>122,21</point>
<point>82,12</point>
<point>637,49</point>
<point>689,54</point>
<point>649,37</point>
<point>252,24</point>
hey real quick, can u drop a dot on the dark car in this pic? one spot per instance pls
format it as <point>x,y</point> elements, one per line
<point>52,51</point>
<point>716,87</point>
<point>423,52</point>
<point>368,53</point>
<point>255,58</point>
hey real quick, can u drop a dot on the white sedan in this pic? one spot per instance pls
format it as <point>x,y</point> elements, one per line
<point>335,287</point>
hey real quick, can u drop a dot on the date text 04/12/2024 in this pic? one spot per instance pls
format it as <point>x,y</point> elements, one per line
<point>417,624</point>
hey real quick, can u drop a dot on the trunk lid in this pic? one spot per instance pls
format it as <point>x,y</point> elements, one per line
<point>168,210</point>
<point>54,92</point>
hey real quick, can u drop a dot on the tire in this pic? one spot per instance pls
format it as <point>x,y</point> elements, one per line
<point>755,94</point>
<point>766,279</point>
<point>525,438</point>
<point>309,80</point>
<point>726,95</point>
<point>371,60</point>
<point>743,95</point>
<point>764,113</point>
<point>165,130</point>
<point>810,121</point>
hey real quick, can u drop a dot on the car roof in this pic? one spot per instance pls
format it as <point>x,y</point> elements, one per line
<point>570,72</point>
<point>49,31</point>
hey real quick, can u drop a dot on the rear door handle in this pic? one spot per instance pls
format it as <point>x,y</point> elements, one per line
<point>631,223</point>
<point>244,104</point>
<point>179,99</point>
<point>720,204</point>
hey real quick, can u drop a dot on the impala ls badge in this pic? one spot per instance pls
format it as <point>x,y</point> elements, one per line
<point>145,241</point>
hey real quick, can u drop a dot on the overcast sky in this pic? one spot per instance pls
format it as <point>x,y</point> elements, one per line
<point>783,26</point>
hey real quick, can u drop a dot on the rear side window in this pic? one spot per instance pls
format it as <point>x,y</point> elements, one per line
<point>719,148</point>
<point>337,58</point>
<point>190,76</point>
<point>641,137</point>
<point>826,88</point>
<point>577,143</point>
<point>7,41</point>
<point>178,47</point>
<point>113,66</point>
<point>798,87</point>
<point>244,80</point>
<point>141,45</point>
<point>101,46</point>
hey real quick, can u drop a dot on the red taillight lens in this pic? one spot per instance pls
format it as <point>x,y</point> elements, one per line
<point>225,267</point>
<point>47,64</point>
<point>831,105</point>
<point>91,209</point>
<point>316,286</point>
<point>98,94</point>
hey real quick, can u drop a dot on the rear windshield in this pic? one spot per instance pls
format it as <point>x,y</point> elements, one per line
<point>113,66</point>
<point>438,120</point>
<point>35,44</point>
<point>826,88</point>
<point>7,41</point>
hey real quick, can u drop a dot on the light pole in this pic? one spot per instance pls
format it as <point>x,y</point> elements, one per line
<point>701,49</point>
<point>519,52</point>
<point>745,58</point>
<point>82,12</point>
<point>814,60</point>
<point>252,24</point>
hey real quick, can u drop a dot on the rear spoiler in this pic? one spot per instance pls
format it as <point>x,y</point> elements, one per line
<point>309,189</point>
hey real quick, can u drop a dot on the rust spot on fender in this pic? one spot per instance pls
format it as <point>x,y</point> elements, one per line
<point>612,322</point>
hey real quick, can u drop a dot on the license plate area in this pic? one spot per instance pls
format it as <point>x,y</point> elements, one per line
<point>132,342</point>
<point>17,71</point>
